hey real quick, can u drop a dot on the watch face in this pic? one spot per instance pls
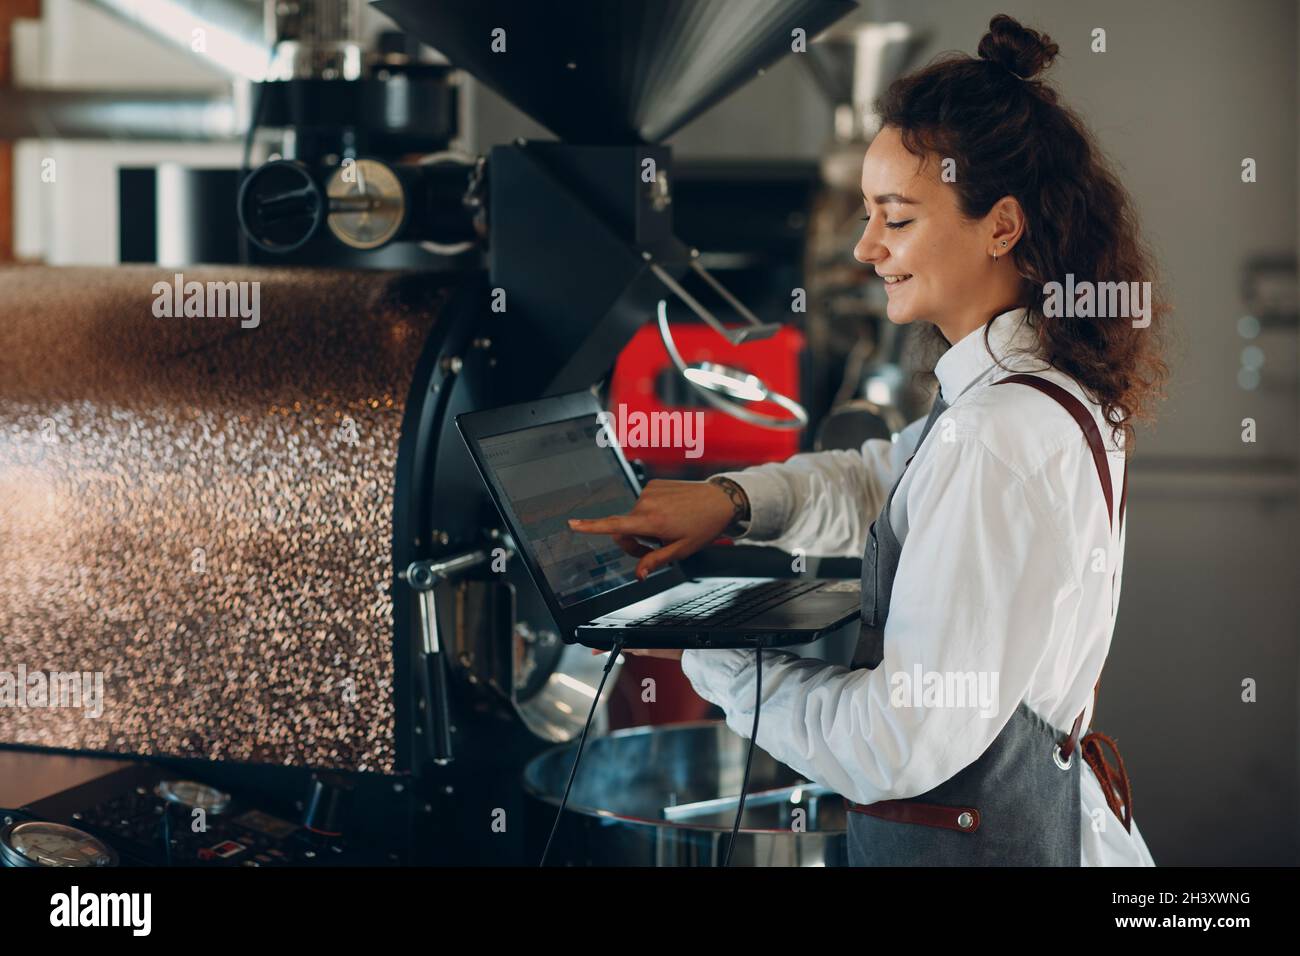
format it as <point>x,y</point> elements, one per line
<point>53,844</point>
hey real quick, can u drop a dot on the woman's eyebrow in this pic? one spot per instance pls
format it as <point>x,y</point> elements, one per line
<point>894,198</point>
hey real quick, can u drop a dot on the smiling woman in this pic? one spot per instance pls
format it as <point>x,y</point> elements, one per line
<point>985,192</point>
<point>980,566</point>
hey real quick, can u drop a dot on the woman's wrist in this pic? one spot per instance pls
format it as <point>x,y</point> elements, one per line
<point>739,505</point>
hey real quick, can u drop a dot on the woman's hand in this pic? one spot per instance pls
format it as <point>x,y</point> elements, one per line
<point>684,516</point>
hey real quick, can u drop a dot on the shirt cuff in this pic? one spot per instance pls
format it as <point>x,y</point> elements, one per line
<point>768,504</point>
<point>712,672</point>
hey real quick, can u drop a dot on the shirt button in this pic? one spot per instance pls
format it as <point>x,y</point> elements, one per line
<point>965,821</point>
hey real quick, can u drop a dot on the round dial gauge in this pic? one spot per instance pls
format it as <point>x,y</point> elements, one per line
<point>367,204</point>
<point>34,843</point>
<point>189,793</point>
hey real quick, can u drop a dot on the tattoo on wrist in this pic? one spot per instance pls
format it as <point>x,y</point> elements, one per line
<point>739,503</point>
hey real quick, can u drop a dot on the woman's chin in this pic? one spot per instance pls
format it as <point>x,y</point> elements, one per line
<point>898,314</point>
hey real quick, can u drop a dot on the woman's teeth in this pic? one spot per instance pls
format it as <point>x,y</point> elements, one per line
<point>894,280</point>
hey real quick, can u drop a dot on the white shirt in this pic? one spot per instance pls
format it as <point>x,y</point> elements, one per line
<point>1007,575</point>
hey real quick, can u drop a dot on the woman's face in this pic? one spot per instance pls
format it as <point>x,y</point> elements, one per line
<point>915,233</point>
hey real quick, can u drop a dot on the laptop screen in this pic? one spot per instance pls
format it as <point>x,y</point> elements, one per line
<point>555,472</point>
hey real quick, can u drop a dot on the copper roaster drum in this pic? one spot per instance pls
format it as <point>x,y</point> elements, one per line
<point>201,509</point>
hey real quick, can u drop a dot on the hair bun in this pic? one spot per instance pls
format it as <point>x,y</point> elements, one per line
<point>1023,51</point>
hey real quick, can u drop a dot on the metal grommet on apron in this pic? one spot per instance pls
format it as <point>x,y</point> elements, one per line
<point>1063,762</point>
<point>1012,806</point>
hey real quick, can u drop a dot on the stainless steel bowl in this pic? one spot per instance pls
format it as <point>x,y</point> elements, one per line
<point>666,796</point>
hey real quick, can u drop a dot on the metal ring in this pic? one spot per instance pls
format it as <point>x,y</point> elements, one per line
<point>798,419</point>
<point>1060,762</point>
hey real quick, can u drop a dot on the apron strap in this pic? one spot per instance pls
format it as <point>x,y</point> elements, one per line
<point>1086,422</point>
<point>1115,784</point>
<point>1090,432</point>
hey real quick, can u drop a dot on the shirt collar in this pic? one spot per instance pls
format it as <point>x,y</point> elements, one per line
<point>966,362</point>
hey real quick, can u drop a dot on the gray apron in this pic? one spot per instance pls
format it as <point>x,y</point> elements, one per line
<point>1018,803</point>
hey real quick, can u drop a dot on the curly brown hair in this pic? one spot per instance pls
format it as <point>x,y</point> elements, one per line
<point>1010,135</point>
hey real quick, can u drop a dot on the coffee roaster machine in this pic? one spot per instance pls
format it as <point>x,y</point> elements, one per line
<point>527,270</point>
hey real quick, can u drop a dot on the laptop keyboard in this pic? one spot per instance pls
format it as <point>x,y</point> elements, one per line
<point>727,604</point>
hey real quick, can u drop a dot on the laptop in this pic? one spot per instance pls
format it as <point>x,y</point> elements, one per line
<point>553,459</point>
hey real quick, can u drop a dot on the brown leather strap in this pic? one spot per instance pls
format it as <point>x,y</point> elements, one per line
<point>1067,748</point>
<point>961,819</point>
<point>1079,412</point>
<point>1115,784</point>
<point>1084,417</point>
<point>1123,497</point>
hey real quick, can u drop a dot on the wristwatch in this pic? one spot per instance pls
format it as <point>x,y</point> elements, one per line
<point>739,525</point>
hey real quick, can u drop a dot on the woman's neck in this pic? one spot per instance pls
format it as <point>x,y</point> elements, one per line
<point>958,327</point>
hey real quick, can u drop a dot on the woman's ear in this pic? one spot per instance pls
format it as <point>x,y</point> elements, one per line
<point>1006,224</point>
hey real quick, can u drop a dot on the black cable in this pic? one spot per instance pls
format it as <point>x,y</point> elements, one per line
<point>165,826</point>
<point>582,742</point>
<point>749,759</point>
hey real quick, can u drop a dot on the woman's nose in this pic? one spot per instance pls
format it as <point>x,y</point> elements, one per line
<point>868,250</point>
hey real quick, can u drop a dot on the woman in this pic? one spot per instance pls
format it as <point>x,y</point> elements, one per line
<point>991,572</point>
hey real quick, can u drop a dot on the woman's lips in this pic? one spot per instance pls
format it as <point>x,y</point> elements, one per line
<point>890,286</point>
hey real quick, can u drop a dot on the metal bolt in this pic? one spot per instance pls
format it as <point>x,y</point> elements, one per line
<point>965,820</point>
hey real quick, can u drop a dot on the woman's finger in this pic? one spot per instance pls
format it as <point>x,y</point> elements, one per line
<point>614,524</point>
<point>661,556</point>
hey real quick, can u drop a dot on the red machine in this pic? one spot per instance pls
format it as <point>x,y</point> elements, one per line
<point>646,382</point>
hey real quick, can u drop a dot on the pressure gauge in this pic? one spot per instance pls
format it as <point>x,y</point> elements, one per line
<point>35,843</point>
<point>196,796</point>
<point>367,204</point>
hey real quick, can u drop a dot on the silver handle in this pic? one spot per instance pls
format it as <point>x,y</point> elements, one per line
<point>756,330</point>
